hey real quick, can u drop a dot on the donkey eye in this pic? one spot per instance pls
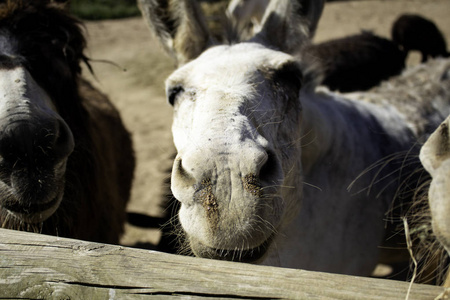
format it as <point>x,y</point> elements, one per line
<point>173,93</point>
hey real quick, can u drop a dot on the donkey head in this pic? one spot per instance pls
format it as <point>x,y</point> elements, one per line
<point>40,49</point>
<point>435,157</point>
<point>236,126</point>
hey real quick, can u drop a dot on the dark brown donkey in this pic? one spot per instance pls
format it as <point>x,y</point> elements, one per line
<point>66,159</point>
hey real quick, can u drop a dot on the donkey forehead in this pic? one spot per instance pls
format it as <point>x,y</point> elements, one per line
<point>229,65</point>
<point>16,82</point>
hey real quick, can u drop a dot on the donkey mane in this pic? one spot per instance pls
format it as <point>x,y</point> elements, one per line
<point>40,22</point>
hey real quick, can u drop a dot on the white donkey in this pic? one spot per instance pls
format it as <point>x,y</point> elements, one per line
<point>264,162</point>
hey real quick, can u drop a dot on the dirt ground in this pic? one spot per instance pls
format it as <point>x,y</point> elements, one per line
<point>134,80</point>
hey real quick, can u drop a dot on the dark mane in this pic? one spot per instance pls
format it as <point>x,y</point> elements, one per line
<point>40,23</point>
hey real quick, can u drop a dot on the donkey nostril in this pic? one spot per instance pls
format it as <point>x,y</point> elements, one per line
<point>64,143</point>
<point>269,168</point>
<point>181,173</point>
<point>178,167</point>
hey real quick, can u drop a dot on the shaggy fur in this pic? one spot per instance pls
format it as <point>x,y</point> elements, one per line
<point>100,169</point>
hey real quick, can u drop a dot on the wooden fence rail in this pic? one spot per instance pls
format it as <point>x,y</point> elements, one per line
<point>34,266</point>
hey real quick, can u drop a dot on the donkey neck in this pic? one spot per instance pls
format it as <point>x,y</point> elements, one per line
<point>348,132</point>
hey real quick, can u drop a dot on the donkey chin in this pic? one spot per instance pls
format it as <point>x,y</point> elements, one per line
<point>236,230</point>
<point>250,255</point>
<point>32,203</point>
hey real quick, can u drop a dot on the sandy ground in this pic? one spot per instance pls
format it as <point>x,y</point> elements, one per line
<point>134,80</point>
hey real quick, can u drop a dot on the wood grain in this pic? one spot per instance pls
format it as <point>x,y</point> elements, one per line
<point>45,267</point>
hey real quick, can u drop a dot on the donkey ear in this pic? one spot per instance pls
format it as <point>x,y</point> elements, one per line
<point>289,24</point>
<point>179,25</point>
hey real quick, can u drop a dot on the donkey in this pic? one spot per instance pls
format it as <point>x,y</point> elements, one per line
<point>433,206</point>
<point>66,159</point>
<point>264,160</point>
<point>435,157</point>
<point>343,61</point>
<point>414,32</point>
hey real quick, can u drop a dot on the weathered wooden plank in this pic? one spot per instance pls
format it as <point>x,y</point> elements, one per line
<point>47,267</point>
